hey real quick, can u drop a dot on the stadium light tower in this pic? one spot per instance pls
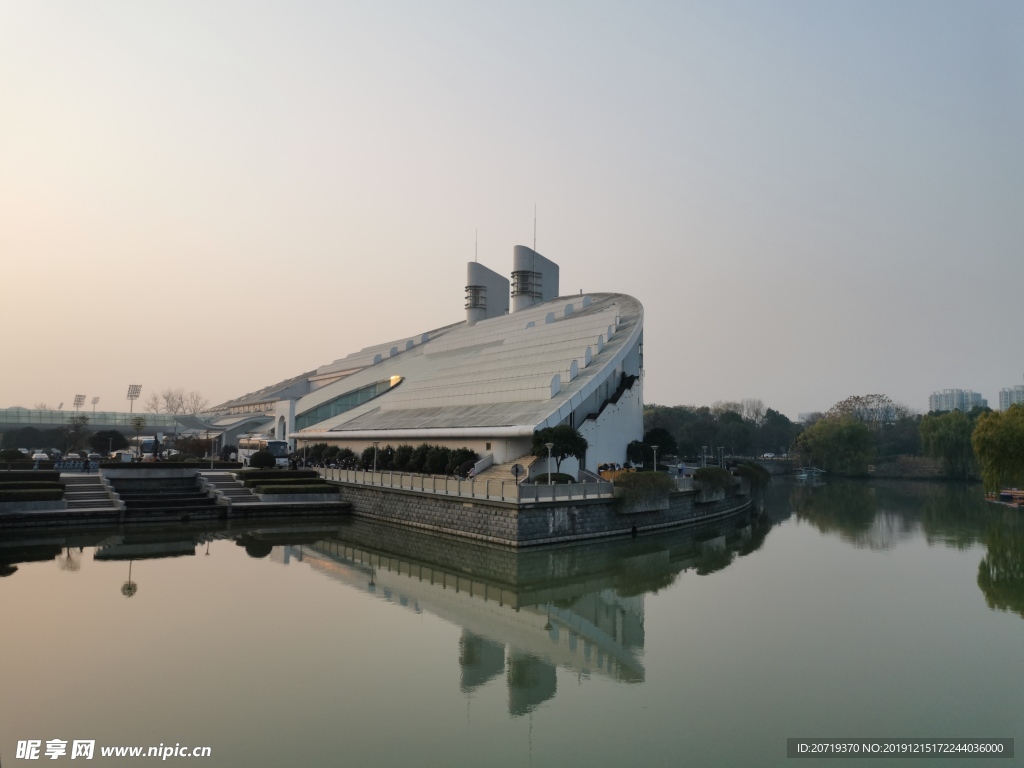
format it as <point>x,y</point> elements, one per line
<point>79,401</point>
<point>94,401</point>
<point>134,390</point>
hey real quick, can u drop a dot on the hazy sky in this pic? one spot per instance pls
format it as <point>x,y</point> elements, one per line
<point>811,199</point>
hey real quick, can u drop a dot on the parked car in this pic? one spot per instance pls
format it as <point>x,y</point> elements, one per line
<point>73,456</point>
<point>94,457</point>
<point>768,456</point>
<point>40,456</point>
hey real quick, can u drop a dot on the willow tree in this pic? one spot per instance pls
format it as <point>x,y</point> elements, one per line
<point>947,436</point>
<point>998,442</point>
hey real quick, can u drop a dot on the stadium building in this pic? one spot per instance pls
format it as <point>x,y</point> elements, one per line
<point>524,358</point>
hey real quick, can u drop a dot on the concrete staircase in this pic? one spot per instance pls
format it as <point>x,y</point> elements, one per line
<point>86,492</point>
<point>503,472</point>
<point>166,496</point>
<point>226,486</point>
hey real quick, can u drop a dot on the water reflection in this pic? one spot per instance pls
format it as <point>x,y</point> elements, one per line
<point>881,515</point>
<point>1001,571</point>
<point>525,614</point>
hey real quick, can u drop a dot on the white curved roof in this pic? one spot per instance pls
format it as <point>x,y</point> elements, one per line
<point>514,373</point>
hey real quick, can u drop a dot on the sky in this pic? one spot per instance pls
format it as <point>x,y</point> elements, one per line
<point>811,200</point>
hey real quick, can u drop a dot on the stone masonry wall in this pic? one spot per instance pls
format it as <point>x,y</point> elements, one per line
<point>528,524</point>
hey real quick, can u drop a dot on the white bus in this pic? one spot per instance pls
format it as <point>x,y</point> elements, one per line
<point>142,447</point>
<point>247,446</point>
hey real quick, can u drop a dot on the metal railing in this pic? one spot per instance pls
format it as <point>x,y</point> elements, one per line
<point>24,417</point>
<point>490,490</point>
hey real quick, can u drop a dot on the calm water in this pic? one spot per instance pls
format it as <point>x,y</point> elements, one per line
<point>848,610</point>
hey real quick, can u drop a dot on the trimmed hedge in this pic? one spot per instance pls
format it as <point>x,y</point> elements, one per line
<point>48,476</point>
<point>556,478</point>
<point>38,494</point>
<point>303,489</point>
<point>713,478</point>
<point>291,481</point>
<point>646,481</point>
<point>276,474</point>
<point>140,465</point>
<point>27,485</point>
<point>27,464</point>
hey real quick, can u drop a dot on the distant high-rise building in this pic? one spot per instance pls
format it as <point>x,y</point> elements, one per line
<point>1011,396</point>
<point>956,400</point>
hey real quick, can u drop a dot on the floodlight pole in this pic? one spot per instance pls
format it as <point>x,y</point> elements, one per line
<point>133,393</point>
<point>549,446</point>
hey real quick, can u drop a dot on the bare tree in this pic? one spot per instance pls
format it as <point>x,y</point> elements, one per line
<point>42,407</point>
<point>194,402</point>
<point>753,410</point>
<point>721,406</point>
<point>152,403</point>
<point>174,400</point>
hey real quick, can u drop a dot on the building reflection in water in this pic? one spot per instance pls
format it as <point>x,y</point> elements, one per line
<point>524,614</point>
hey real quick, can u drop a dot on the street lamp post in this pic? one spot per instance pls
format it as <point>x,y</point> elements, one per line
<point>375,444</point>
<point>549,446</point>
<point>655,449</point>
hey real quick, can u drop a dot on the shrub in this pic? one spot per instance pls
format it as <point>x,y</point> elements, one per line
<point>437,460</point>
<point>181,457</point>
<point>12,454</point>
<point>303,489</point>
<point>556,477</point>
<point>29,485</point>
<point>459,458</point>
<point>290,481</point>
<point>755,474</point>
<point>263,460</point>
<point>287,475</point>
<point>38,494</point>
<point>418,462</point>
<point>647,481</point>
<point>713,478</point>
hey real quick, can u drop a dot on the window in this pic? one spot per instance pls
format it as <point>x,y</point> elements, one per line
<point>345,402</point>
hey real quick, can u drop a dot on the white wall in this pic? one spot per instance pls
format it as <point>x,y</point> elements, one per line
<point>618,426</point>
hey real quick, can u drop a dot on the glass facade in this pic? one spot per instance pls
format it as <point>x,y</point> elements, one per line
<point>345,402</point>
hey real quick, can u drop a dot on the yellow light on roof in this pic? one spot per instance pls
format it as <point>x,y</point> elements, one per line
<point>395,380</point>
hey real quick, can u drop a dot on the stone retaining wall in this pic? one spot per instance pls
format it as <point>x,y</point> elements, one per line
<point>521,525</point>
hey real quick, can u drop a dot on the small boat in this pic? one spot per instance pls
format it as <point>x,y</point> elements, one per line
<point>810,475</point>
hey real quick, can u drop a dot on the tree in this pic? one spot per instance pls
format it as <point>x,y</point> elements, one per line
<point>998,442</point>
<point>107,440</point>
<point>948,437</point>
<point>873,410</point>
<point>194,402</point>
<point>152,403</point>
<point>173,401</point>
<point>844,446</point>
<point>753,410</point>
<point>664,441</point>
<point>567,442</point>
<point>76,429</point>
<point>138,424</point>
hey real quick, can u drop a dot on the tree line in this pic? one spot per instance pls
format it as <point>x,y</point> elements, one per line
<point>742,428</point>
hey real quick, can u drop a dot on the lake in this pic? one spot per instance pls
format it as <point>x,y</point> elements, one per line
<point>853,609</point>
